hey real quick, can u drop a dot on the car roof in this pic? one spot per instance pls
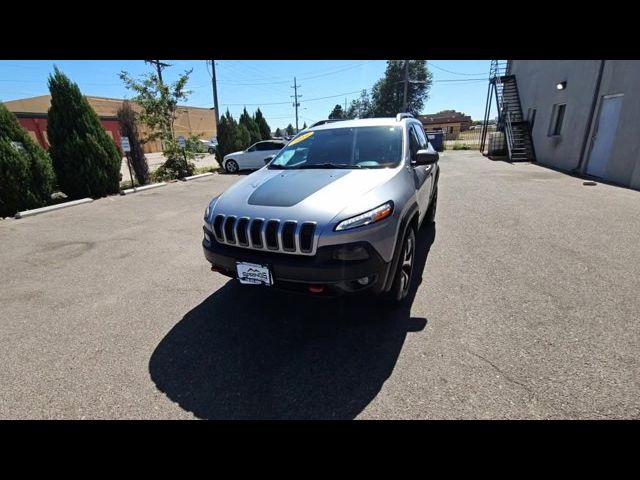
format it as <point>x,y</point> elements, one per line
<point>360,122</point>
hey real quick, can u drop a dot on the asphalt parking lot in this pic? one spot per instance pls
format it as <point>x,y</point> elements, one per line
<point>528,307</point>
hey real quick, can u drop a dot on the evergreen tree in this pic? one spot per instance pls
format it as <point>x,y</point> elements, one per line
<point>278,132</point>
<point>243,137</point>
<point>360,107</point>
<point>86,161</point>
<point>290,130</point>
<point>263,126</point>
<point>304,126</point>
<point>129,128</point>
<point>249,123</point>
<point>26,173</point>
<point>228,139</point>
<point>337,112</point>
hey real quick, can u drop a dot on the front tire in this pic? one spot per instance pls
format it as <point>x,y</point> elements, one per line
<point>211,150</point>
<point>404,272</point>
<point>231,166</point>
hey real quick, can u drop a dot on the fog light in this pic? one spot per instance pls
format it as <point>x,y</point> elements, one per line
<point>350,252</point>
<point>207,237</point>
<point>363,280</point>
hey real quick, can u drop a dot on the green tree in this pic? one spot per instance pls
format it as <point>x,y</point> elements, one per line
<point>290,130</point>
<point>337,112</point>
<point>304,125</point>
<point>278,132</point>
<point>129,129</point>
<point>387,93</point>
<point>159,103</point>
<point>360,107</point>
<point>231,137</point>
<point>263,126</point>
<point>26,173</point>
<point>249,123</point>
<point>85,159</point>
<point>243,136</point>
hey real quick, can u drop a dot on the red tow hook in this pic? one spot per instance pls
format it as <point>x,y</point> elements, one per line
<point>316,288</point>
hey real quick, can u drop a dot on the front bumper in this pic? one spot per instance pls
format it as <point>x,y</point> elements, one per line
<point>298,272</point>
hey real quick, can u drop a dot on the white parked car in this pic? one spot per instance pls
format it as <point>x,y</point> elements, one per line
<point>210,144</point>
<point>253,157</point>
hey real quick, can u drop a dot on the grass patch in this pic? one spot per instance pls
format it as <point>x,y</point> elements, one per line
<point>461,146</point>
<point>211,169</point>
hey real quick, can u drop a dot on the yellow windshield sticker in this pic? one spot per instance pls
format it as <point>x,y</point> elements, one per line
<point>301,138</point>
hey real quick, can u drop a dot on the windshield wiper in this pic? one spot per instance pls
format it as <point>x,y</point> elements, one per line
<point>329,165</point>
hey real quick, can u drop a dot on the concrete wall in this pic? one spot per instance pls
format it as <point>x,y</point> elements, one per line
<point>623,76</point>
<point>537,80</point>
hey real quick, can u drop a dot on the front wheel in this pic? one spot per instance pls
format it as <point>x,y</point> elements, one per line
<point>231,166</point>
<point>211,150</point>
<point>402,281</point>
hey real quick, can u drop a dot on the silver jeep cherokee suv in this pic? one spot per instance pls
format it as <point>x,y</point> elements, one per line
<point>335,211</point>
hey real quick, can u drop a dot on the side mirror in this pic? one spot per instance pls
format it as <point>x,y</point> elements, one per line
<point>268,159</point>
<point>426,157</point>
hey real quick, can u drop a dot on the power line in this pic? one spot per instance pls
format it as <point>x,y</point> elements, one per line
<point>454,73</point>
<point>302,78</point>
<point>159,67</point>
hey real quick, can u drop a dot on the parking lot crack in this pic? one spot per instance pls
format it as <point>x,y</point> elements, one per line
<point>501,372</point>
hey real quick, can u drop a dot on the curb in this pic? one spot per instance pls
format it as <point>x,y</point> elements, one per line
<point>193,177</point>
<point>50,208</point>
<point>145,187</point>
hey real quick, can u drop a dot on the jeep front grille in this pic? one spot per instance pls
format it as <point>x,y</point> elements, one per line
<point>266,234</point>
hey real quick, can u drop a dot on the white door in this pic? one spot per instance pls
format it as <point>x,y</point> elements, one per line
<point>604,135</point>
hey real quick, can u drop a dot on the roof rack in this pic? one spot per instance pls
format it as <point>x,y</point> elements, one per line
<point>322,122</point>
<point>400,116</point>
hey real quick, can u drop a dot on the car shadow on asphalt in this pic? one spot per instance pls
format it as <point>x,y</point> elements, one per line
<point>254,353</point>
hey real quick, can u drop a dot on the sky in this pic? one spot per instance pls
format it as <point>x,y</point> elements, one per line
<point>457,84</point>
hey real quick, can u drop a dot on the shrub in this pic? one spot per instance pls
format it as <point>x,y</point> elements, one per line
<point>129,128</point>
<point>461,146</point>
<point>178,162</point>
<point>26,174</point>
<point>86,161</point>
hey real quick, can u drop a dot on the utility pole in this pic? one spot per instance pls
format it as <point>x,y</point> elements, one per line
<point>215,93</point>
<point>159,66</point>
<point>406,85</point>
<point>295,96</point>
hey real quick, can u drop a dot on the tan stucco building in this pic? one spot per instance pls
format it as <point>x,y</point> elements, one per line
<point>32,114</point>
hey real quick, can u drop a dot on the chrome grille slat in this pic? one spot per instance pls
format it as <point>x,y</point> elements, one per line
<point>229,227</point>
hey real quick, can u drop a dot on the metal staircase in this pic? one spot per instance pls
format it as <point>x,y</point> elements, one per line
<point>516,129</point>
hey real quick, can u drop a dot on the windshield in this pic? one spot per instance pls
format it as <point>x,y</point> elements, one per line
<point>356,147</point>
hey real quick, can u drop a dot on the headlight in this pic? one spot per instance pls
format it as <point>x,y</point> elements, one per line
<point>372,216</point>
<point>206,213</point>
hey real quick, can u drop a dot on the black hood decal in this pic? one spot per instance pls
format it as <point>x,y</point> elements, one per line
<point>289,188</point>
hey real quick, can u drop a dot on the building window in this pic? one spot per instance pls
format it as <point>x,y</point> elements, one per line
<point>557,118</point>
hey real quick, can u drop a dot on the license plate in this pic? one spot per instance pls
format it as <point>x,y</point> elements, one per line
<point>254,274</point>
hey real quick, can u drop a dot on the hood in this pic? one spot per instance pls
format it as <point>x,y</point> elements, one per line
<point>234,153</point>
<point>302,195</point>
